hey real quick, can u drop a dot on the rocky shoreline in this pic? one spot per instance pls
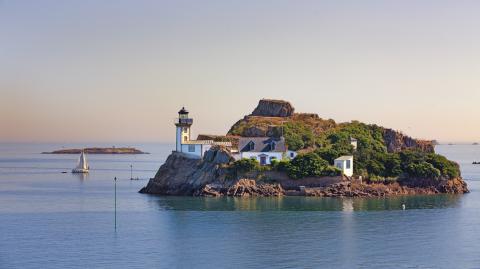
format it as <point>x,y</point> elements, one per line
<point>181,175</point>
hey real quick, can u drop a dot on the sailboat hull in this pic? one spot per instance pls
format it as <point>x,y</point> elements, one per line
<point>76,170</point>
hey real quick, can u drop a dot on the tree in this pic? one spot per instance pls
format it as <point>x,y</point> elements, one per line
<point>327,154</point>
<point>448,168</point>
<point>306,165</point>
<point>298,135</point>
<point>393,165</point>
<point>423,170</point>
<point>375,167</point>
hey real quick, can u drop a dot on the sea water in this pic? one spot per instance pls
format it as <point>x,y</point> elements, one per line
<point>50,219</point>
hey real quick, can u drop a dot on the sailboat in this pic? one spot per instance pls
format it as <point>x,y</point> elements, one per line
<point>82,166</point>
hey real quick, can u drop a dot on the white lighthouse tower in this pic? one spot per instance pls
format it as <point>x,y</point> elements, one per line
<point>184,144</point>
<point>183,128</point>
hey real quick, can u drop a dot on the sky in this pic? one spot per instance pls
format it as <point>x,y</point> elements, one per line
<point>113,71</point>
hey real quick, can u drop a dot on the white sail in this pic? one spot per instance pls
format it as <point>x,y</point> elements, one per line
<point>82,162</point>
<point>82,166</point>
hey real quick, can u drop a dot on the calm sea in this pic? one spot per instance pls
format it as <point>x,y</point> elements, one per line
<point>54,220</point>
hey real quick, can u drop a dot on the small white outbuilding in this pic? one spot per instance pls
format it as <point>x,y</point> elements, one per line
<point>345,163</point>
<point>354,143</point>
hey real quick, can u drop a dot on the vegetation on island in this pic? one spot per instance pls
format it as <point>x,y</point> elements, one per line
<point>304,165</point>
<point>319,147</point>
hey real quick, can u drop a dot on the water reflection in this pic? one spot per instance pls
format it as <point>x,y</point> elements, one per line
<point>304,203</point>
<point>347,204</point>
<point>80,176</point>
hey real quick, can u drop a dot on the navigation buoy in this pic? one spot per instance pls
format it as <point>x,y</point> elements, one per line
<point>403,206</point>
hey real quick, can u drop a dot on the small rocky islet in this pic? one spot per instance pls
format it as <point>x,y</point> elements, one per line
<point>387,162</point>
<point>98,150</point>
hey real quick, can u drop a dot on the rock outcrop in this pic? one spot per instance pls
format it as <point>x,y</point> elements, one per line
<point>396,142</point>
<point>183,175</point>
<point>442,185</point>
<point>355,189</point>
<point>241,188</point>
<point>273,108</point>
<point>454,186</point>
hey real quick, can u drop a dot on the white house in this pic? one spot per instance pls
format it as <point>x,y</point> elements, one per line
<point>194,148</point>
<point>264,149</point>
<point>345,163</point>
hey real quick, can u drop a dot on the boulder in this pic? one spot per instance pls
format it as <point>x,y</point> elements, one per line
<point>273,108</point>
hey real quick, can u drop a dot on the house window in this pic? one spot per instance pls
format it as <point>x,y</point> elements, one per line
<point>191,148</point>
<point>348,164</point>
<point>339,165</point>
<point>185,138</point>
<point>292,154</point>
<point>185,129</point>
<point>263,160</point>
<point>251,146</point>
<point>272,158</point>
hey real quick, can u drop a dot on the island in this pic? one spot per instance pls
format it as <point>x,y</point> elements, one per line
<point>275,151</point>
<point>96,150</point>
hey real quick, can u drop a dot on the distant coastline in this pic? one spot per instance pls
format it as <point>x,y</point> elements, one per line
<point>96,150</point>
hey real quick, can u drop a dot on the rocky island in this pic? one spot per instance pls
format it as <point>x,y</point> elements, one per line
<point>386,162</point>
<point>111,150</point>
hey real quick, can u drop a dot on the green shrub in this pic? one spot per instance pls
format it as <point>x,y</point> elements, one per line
<point>331,171</point>
<point>393,165</point>
<point>422,170</point>
<point>447,168</point>
<point>298,135</point>
<point>274,164</point>
<point>375,167</point>
<point>283,165</point>
<point>306,165</point>
<point>410,161</point>
<point>245,166</point>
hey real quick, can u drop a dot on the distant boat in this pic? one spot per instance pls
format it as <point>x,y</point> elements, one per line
<point>82,166</point>
<point>475,144</point>
<point>476,163</point>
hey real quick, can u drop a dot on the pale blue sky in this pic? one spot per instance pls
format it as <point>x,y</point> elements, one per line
<point>120,70</point>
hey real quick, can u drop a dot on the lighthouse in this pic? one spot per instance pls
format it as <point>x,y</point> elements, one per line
<point>183,124</point>
<point>185,145</point>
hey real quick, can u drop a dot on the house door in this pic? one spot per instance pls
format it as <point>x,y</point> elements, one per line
<point>263,160</point>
